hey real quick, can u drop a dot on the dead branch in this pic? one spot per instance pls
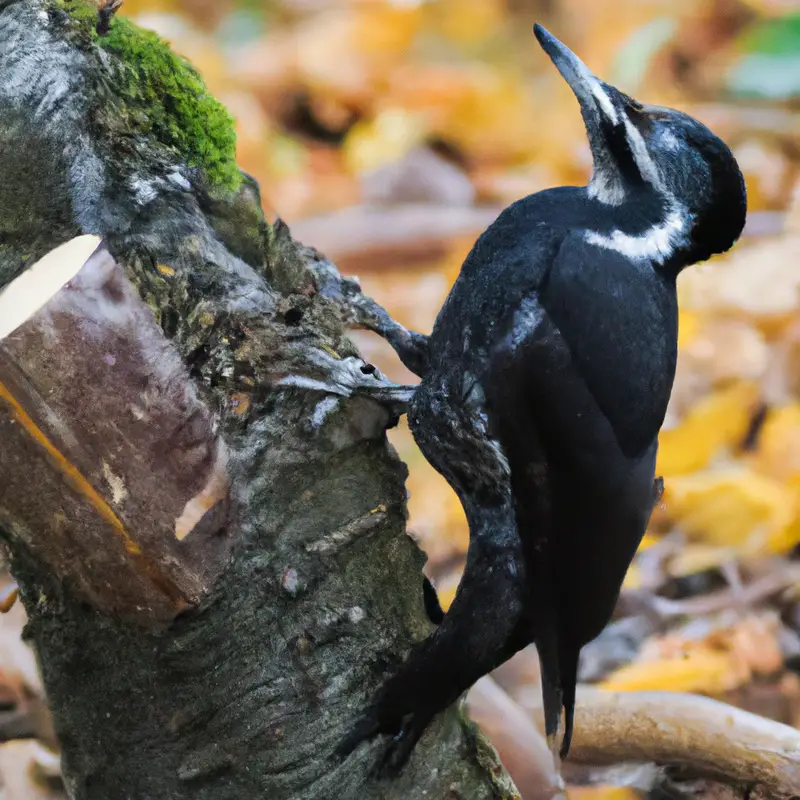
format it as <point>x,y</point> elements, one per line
<point>521,745</point>
<point>708,738</point>
<point>375,236</point>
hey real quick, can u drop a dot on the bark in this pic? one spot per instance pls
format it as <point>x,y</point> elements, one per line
<point>200,505</point>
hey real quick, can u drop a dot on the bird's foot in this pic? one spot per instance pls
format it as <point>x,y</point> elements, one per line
<point>326,371</point>
<point>401,739</point>
<point>367,727</point>
<point>358,310</point>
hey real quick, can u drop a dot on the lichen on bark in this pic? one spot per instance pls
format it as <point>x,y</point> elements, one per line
<point>247,693</point>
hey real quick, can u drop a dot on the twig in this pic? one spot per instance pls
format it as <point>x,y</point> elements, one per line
<point>708,738</point>
<point>349,533</point>
<point>522,747</point>
<point>370,236</point>
<point>744,596</point>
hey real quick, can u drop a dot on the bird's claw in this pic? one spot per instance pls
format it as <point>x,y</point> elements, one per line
<point>401,746</point>
<point>402,737</point>
<point>349,376</point>
<point>367,727</point>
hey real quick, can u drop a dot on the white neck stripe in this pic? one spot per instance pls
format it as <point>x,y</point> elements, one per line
<point>656,244</point>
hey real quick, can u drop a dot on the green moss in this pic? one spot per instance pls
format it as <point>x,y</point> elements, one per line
<point>166,98</point>
<point>82,18</point>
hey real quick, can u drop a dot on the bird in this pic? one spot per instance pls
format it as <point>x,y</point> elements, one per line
<point>544,384</point>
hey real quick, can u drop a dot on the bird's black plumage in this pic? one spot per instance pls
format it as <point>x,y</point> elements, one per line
<point>544,384</point>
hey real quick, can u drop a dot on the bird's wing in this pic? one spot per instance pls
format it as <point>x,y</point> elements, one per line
<point>582,502</point>
<point>541,410</point>
<point>618,319</point>
<point>535,389</point>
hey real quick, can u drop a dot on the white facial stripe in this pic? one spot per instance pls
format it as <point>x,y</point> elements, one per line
<point>603,100</point>
<point>607,185</point>
<point>647,169</point>
<point>656,244</point>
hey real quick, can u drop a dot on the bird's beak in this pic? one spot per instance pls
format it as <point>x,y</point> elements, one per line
<point>595,102</point>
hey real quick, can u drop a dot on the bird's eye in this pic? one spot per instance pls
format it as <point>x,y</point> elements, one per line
<point>634,105</point>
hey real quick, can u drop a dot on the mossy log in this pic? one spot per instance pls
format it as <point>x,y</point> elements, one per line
<point>198,499</point>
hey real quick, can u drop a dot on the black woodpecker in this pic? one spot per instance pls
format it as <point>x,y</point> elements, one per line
<point>544,384</point>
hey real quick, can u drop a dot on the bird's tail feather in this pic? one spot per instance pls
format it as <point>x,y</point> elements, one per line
<point>547,645</point>
<point>568,673</point>
<point>559,665</point>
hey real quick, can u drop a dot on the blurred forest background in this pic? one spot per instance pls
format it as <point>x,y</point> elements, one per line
<point>388,134</point>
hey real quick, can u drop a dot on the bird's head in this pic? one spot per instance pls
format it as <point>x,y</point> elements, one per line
<point>640,149</point>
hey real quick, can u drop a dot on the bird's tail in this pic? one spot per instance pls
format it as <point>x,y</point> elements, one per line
<point>552,696</point>
<point>559,665</point>
<point>568,668</point>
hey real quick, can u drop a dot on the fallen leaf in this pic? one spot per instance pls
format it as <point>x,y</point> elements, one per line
<point>701,671</point>
<point>718,421</point>
<point>734,507</point>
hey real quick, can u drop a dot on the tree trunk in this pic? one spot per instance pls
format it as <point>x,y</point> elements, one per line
<point>196,492</point>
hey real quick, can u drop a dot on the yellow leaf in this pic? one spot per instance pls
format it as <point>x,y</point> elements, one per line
<point>382,140</point>
<point>633,577</point>
<point>648,540</point>
<point>494,117</point>
<point>697,671</point>
<point>717,421</point>
<point>467,21</point>
<point>778,452</point>
<point>446,596</point>
<point>387,30</point>
<point>766,296</point>
<point>601,793</point>
<point>348,53</point>
<point>735,507</point>
<point>696,558</point>
<point>689,325</point>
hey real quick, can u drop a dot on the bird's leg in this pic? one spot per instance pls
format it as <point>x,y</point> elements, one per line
<point>360,311</point>
<point>471,640</point>
<point>411,347</point>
